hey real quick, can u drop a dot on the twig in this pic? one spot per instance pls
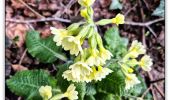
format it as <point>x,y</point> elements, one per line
<point>70,4</point>
<point>155,81</point>
<point>130,10</point>
<point>39,15</point>
<point>146,4</point>
<point>143,19</point>
<point>159,90</point>
<point>153,93</point>
<point>143,95</point>
<point>151,30</point>
<point>143,23</point>
<point>39,20</point>
<point>22,57</point>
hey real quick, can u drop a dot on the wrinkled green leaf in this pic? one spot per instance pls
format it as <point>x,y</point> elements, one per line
<point>160,10</point>
<point>115,5</point>
<point>45,50</point>
<point>62,83</point>
<point>27,83</point>
<point>114,43</point>
<point>81,89</point>
<point>104,96</point>
<point>89,97</point>
<point>90,89</point>
<point>114,83</point>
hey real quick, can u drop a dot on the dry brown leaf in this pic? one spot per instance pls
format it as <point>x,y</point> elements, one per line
<point>105,3</point>
<point>17,4</point>
<point>17,30</point>
<point>9,11</point>
<point>17,67</point>
<point>29,13</point>
<point>46,13</point>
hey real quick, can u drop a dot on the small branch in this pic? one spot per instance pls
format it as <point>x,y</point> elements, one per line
<point>146,92</point>
<point>159,90</point>
<point>146,4</point>
<point>130,10</point>
<point>143,28</point>
<point>39,20</point>
<point>155,21</point>
<point>143,23</point>
<point>151,86</point>
<point>155,81</point>
<point>22,57</point>
<point>151,30</point>
<point>39,15</point>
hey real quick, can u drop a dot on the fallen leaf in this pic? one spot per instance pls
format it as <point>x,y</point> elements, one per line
<point>17,67</point>
<point>17,30</point>
<point>17,4</point>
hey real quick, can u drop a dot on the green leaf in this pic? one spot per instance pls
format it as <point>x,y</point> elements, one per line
<point>115,5</point>
<point>114,43</point>
<point>62,83</point>
<point>139,89</point>
<point>160,10</point>
<point>45,50</point>
<point>114,83</point>
<point>89,97</point>
<point>81,89</point>
<point>104,96</point>
<point>90,89</point>
<point>27,83</point>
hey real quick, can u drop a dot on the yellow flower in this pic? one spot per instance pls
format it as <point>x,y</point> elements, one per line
<point>95,59</point>
<point>71,93</point>
<point>101,73</point>
<point>45,92</point>
<point>136,49</point>
<point>73,44</point>
<point>78,72</point>
<point>68,75</point>
<point>119,19</point>
<point>131,80</point>
<point>59,34</point>
<point>126,69</point>
<point>86,3</point>
<point>146,63</point>
<point>80,69</point>
<point>84,13</point>
<point>132,62</point>
<point>105,54</point>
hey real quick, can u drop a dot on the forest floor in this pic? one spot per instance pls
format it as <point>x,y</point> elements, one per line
<point>22,15</point>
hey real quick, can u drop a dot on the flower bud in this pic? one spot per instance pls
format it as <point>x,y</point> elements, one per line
<point>86,3</point>
<point>119,19</point>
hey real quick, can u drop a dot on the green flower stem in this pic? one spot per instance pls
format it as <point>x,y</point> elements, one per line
<point>103,22</point>
<point>56,90</point>
<point>58,97</point>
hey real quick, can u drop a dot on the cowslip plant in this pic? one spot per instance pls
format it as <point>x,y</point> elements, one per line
<point>103,70</point>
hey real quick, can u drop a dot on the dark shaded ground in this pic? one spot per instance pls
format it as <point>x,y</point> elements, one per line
<point>135,11</point>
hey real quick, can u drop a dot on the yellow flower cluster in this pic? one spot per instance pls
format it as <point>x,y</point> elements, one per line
<point>88,62</point>
<point>129,62</point>
<point>71,94</point>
